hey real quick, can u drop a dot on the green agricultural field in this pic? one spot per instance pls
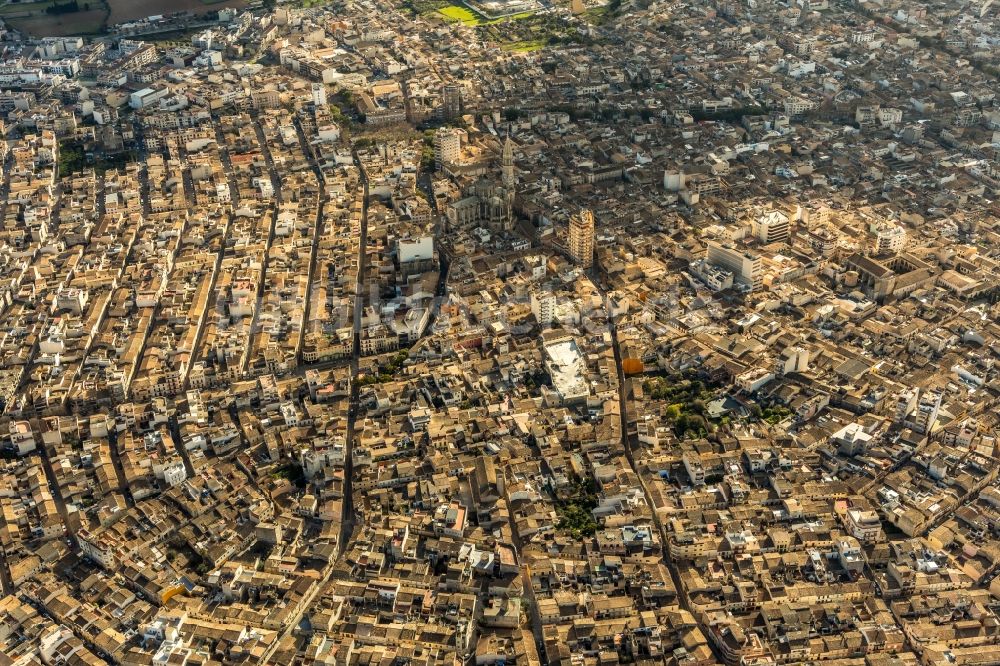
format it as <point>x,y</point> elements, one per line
<point>459,14</point>
<point>468,16</point>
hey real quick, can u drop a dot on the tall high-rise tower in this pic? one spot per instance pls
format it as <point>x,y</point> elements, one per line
<point>319,94</point>
<point>581,238</point>
<point>772,227</point>
<point>889,239</point>
<point>447,146</point>
<point>451,101</point>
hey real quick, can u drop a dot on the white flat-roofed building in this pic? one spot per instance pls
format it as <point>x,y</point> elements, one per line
<point>141,99</point>
<point>567,369</point>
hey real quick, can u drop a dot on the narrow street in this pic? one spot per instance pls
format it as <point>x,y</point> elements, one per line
<point>56,493</point>
<point>444,254</point>
<point>6,583</point>
<point>175,434</point>
<point>116,462</point>
<point>630,442</point>
<point>348,519</point>
<point>348,516</point>
<point>144,181</point>
<point>273,212</point>
<point>234,194</point>
<point>529,591</point>
<point>318,228</point>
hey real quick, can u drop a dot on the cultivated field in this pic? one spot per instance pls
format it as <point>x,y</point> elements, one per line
<point>31,18</point>
<point>468,16</point>
<point>457,13</point>
<point>129,10</point>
